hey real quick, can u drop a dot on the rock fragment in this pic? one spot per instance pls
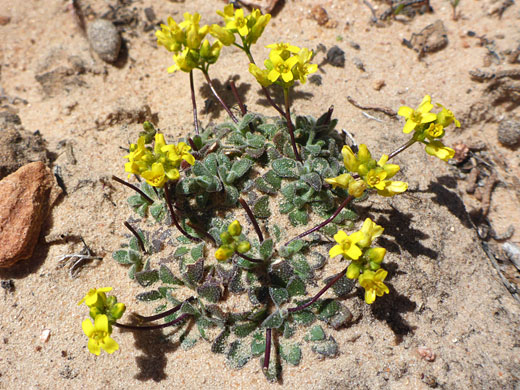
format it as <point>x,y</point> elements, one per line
<point>27,196</point>
<point>336,57</point>
<point>104,39</point>
<point>509,133</point>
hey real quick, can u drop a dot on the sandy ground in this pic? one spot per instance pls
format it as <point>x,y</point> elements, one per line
<point>445,295</point>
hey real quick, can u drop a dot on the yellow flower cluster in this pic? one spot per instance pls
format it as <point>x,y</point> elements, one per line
<point>159,165</point>
<point>373,174</point>
<point>249,28</point>
<point>231,242</point>
<point>429,127</point>
<point>105,311</point>
<point>285,65</point>
<point>365,261</point>
<point>186,41</point>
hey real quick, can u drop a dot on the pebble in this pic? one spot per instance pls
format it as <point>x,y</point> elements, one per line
<point>426,353</point>
<point>336,57</point>
<point>45,336</point>
<point>379,84</point>
<point>27,196</point>
<point>358,63</point>
<point>512,252</point>
<point>509,133</point>
<point>4,20</point>
<point>104,39</point>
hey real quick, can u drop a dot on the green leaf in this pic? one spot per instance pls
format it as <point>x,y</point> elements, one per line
<point>316,333</point>
<point>244,329</point>
<point>188,308</point>
<point>255,141</point>
<point>158,211</point>
<point>301,266</point>
<point>328,348</point>
<point>210,162</point>
<point>288,330</point>
<point>200,169</point>
<point>235,284</point>
<point>136,200</point>
<point>278,295</point>
<point>210,291</point>
<point>291,353</point>
<point>298,217</point>
<point>261,207</point>
<point>303,317</point>
<point>319,165</point>
<point>180,251</point>
<point>121,256</point>
<point>280,273</point>
<point>187,186</point>
<point>149,296</point>
<point>239,354</point>
<point>148,190</point>
<point>240,168</point>
<point>134,257</point>
<point>258,295</point>
<point>142,210</point>
<point>263,186</point>
<point>209,183</point>
<point>286,167</point>
<point>197,252</point>
<point>292,248</point>
<point>166,292</point>
<point>194,272</point>
<point>295,286</point>
<point>167,276</point>
<point>147,278</point>
<point>327,308</point>
<point>223,161</point>
<point>342,317</point>
<point>232,195</point>
<point>313,179</point>
<point>258,344</point>
<point>275,320</point>
<point>219,345</point>
<point>246,120</point>
<point>237,139</point>
<point>266,248</point>
<point>342,287</point>
<point>202,325</point>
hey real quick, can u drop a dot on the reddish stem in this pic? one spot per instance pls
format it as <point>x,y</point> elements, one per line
<point>267,354</point>
<point>252,218</point>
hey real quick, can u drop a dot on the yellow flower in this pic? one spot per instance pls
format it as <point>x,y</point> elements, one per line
<point>392,188</point>
<point>176,153</point>
<point>228,13</point>
<point>353,270</point>
<point>437,149</point>
<point>225,36</point>
<point>373,284</point>
<point>346,245</point>
<point>210,53</point>
<point>341,181</point>
<point>281,67</point>
<point>419,116</point>
<point>375,256</point>
<point>435,130</point>
<point>185,61</point>
<point>155,176</point>
<point>95,296</point>
<point>446,117</point>
<point>304,67</point>
<point>283,49</point>
<point>137,157</point>
<point>370,232</point>
<point>99,335</point>
<point>170,36</point>
<point>238,22</point>
<point>260,21</point>
<point>261,75</point>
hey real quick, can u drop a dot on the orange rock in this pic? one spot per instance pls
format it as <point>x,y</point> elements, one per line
<point>26,198</point>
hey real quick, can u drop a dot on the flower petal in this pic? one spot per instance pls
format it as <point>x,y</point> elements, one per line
<point>405,111</point>
<point>109,345</point>
<point>87,327</point>
<point>336,250</point>
<point>93,347</point>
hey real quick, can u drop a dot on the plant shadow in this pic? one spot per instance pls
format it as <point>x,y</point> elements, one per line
<point>212,107</point>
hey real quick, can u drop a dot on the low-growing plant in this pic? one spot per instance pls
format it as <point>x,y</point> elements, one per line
<point>203,192</point>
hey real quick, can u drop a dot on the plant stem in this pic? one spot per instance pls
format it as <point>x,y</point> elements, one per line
<point>289,123</point>
<point>243,109</point>
<point>163,314</point>
<point>245,257</point>
<point>136,235</point>
<point>252,219</point>
<point>267,354</point>
<point>194,103</point>
<point>318,295</point>
<point>264,89</point>
<point>210,83</point>
<point>138,190</point>
<point>174,217</point>
<point>324,223</point>
<point>402,148</point>
<point>192,144</point>
<point>152,327</point>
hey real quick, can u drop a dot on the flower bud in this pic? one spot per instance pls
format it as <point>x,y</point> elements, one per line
<point>226,238</point>
<point>353,270</point>
<point>224,253</point>
<point>117,311</point>
<point>95,311</point>
<point>235,228</point>
<point>243,247</point>
<point>226,37</point>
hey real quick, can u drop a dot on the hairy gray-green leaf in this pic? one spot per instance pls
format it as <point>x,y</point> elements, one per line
<point>261,207</point>
<point>275,320</point>
<point>295,286</point>
<point>291,353</point>
<point>266,248</point>
<point>316,333</point>
<point>240,168</point>
<point>149,296</point>
<point>328,348</point>
<point>197,252</point>
<point>303,317</point>
<point>244,329</point>
<point>327,308</point>
<point>121,256</point>
<point>219,345</point>
<point>286,167</point>
<point>147,278</point>
<point>239,354</point>
<point>279,295</point>
<point>167,277</point>
<point>258,344</point>
<point>210,291</point>
<point>298,217</point>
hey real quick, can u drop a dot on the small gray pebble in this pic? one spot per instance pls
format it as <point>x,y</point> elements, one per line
<point>354,45</point>
<point>359,64</point>
<point>509,133</point>
<point>336,57</point>
<point>512,251</point>
<point>104,39</point>
<point>150,14</point>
